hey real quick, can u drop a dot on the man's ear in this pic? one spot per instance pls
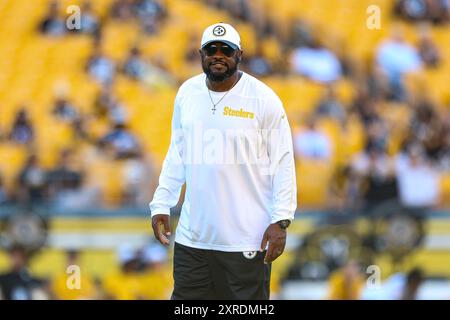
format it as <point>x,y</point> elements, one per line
<point>239,58</point>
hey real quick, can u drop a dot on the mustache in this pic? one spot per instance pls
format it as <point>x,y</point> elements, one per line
<point>218,62</point>
<point>230,69</point>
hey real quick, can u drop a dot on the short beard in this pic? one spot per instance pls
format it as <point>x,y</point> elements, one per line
<point>221,76</point>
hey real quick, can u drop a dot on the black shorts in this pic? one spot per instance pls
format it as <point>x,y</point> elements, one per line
<point>210,274</point>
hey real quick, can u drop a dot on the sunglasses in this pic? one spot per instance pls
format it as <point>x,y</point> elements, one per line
<point>226,50</point>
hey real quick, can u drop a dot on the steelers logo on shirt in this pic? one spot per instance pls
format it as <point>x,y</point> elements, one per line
<point>249,254</point>
<point>219,31</point>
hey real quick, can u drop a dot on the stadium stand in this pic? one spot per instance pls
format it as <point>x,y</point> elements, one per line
<point>37,67</point>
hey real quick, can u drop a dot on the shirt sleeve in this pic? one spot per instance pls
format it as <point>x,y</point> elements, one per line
<point>281,158</point>
<point>172,175</point>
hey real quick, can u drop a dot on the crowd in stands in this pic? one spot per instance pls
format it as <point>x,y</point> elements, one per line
<point>377,174</point>
<point>64,185</point>
<point>435,11</point>
<point>145,273</point>
<point>142,274</point>
<point>372,175</point>
<point>350,283</point>
<point>394,156</point>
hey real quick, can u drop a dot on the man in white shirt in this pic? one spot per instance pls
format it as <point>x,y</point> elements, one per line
<point>316,63</point>
<point>232,146</point>
<point>397,58</point>
<point>418,181</point>
<point>312,143</point>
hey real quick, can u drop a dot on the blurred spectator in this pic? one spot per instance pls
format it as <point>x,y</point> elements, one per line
<point>413,10</point>
<point>118,114</point>
<point>365,106</point>
<point>135,66</point>
<point>316,63</point>
<point>444,160</point>
<point>107,105</point>
<point>329,106</point>
<point>100,67</point>
<point>239,9</point>
<point>300,34</point>
<point>22,129</point>
<point>344,55</point>
<point>312,143</point>
<point>122,9</point>
<point>154,257</point>
<point>374,81</point>
<point>64,177</point>
<point>444,154</point>
<point>149,26</point>
<point>80,133</point>
<point>64,110</point>
<point>436,11</point>
<point>412,168</point>
<point>377,133</point>
<point>157,76</point>
<point>441,11</point>
<point>303,267</point>
<point>89,23</point>
<point>428,51</point>
<point>138,181</point>
<point>18,283</point>
<point>157,278</point>
<point>82,288</point>
<point>125,284</point>
<point>399,286</point>
<point>344,189</point>
<point>257,64</point>
<point>346,283</point>
<point>121,142</point>
<point>105,100</point>
<point>397,58</point>
<point>427,126</point>
<point>414,280</point>
<point>191,56</point>
<point>32,182</point>
<point>150,13</point>
<point>53,24</point>
<point>87,196</point>
<point>263,24</point>
<point>3,195</point>
<point>375,175</point>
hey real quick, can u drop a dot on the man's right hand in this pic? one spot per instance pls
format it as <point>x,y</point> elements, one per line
<point>161,228</point>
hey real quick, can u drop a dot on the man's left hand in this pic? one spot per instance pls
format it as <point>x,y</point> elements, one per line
<point>276,236</point>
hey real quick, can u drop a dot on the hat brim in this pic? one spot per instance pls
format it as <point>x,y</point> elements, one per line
<point>231,44</point>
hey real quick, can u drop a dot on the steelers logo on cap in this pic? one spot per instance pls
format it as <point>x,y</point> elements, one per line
<point>219,31</point>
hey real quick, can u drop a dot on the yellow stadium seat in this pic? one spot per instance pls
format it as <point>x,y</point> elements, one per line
<point>313,180</point>
<point>352,140</point>
<point>13,157</point>
<point>105,174</point>
<point>445,189</point>
<point>119,38</point>
<point>33,66</point>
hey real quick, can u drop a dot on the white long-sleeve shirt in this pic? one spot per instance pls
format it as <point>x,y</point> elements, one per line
<point>237,162</point>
